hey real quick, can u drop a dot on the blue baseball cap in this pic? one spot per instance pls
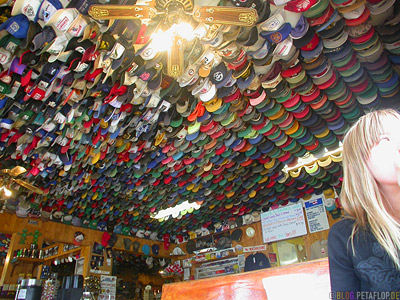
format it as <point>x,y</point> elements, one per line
<point>17,26</point>
<point>279,35</point>
<point>301,28</point>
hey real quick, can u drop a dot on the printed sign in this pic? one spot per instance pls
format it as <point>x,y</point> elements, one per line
<point>255,248</point>
<point>316,215</point>
<point>108,287</point>
<point>283,223</point>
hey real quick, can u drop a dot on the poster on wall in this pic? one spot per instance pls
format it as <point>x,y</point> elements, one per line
<point>108,287</point>
<point>317,219</point>
<point>283,223</point>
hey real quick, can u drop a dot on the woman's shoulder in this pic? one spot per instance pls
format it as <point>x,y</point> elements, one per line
<point>342,229</point>
<point>343,225</point>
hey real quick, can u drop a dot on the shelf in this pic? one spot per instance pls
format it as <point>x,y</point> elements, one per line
<point>171,276</point>
<point>219,267</point>
<point>94,254</point>
<point>34,261</point>
<point>215,267</point>
<point>72,251</point>
<point>215,259</point>
<point>26,259</point>
<point>141,253</point>
<point>216,275</point>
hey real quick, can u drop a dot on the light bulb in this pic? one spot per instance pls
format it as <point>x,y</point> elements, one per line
<point>7,192</point>
<point>184,30</point>
<point>161,41</point>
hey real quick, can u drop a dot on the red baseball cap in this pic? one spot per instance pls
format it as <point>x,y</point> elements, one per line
<point>312,44</point>
<point>329,82</point>
<point>292,71</point>
<point>360,20</point>
<point>310,97</point>
<point>299,5</point>
<point>363,38</point>
<point>322,19</point>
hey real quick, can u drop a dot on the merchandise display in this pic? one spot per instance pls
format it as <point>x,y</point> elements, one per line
<point>4,246</point>
<point>111,115</point>
<point>50,289</point>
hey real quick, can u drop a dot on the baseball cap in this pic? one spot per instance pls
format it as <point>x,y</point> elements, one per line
<point>18,26</point>
<point>220,75</point>
<point>29,8</point>
<point>300,29</point>
<point>47,9</point>
<point>279,35</point>
<point>299,5</point>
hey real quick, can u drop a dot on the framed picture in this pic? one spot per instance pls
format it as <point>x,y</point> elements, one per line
<point>97,249</point>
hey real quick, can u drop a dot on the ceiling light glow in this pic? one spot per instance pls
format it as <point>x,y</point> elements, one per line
<point>310,159</point>
<point>7,192</point>
<point>162,40</point>
<point>184,30</point>
<point>176,210</point>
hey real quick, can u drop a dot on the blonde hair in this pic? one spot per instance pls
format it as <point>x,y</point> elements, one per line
<point>361,196</point>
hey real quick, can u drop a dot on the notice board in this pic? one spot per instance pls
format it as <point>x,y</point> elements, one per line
<point>316,215</point>
<point>283,223</point>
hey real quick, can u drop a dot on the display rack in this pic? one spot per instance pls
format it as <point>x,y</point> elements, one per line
<point>17,260</point>
<point>220,267</point>
<point>213,255</point>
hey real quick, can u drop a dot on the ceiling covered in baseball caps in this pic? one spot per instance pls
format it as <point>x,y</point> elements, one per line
<point>89,110</point>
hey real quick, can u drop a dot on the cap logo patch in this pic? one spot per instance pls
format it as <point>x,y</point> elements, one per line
<point>261,54</point>
<point>218,76</point>
<point>145,76</point>
<point>62,25</point>
<point>276,37</point>
<point>76,31</point>
<point>80,49</point>
<point>303,4</point>
<point>29,11</point>
<point>148,52</point>
<point>11,47</point>
<point>46,15</point>
<point>14,27</point>
<point>3,58</point>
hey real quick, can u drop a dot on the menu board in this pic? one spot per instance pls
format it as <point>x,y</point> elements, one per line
<point>316,215</point>
<point>283,223</point>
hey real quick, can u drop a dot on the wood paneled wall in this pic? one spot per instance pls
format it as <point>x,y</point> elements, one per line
<point>257,239</point>
<point>61,233</point>
<point>56,233</point>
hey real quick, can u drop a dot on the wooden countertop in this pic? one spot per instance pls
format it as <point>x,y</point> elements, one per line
<point>245,286</point>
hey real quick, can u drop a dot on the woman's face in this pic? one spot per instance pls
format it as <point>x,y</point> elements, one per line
<point>384,160</point>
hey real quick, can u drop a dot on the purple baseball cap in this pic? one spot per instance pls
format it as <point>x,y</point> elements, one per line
<point>301,28</point>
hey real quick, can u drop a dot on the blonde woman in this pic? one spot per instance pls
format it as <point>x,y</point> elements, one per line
<point>364,248</point>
